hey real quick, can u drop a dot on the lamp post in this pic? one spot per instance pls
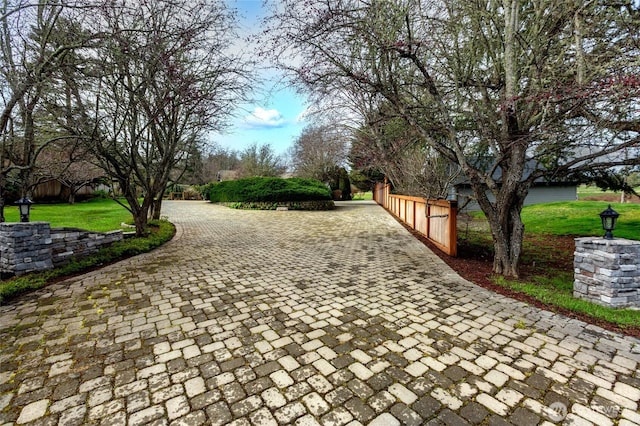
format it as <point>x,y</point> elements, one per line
<point>24,204</point>
<point>609,217</point>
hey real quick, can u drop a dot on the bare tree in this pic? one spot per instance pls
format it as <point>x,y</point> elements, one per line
<point>71,164</point>
<point>390,145</point>
<point>319,151</point>
<point>218,159</point>
<point>164,77</point>
<point>260,160</point>
<point>35,40</point>
<point>512,92</point>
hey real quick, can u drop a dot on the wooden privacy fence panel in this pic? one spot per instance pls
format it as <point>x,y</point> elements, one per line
<point>435,219</point>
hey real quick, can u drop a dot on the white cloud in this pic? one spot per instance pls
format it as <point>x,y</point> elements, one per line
<point>262,118</point>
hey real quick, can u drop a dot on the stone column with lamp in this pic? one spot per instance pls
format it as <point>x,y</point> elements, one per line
<point>607,269</point>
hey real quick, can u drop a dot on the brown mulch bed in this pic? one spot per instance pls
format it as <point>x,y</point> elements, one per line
<point>475,265</point>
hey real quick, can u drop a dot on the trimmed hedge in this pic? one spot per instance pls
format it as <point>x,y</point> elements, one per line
<point>268,189</point>
<point>290,205</point>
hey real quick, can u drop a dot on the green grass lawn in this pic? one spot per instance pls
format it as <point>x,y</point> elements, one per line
<point>363,195</point>
<point>589,190</point>
<point>558,291</point>
<point>585,191</point>
<point>98,214</point>
<point>580,218</point>
<point>547,259</point>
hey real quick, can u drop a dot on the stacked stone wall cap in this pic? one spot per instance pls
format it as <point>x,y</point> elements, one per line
<point>24,224</point>
<point>598,241</point>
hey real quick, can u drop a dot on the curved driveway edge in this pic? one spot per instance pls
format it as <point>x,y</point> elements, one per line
<point>306,318</point>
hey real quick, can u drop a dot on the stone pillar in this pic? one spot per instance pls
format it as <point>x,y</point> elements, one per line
<point>24,247</point>
<point>607,272</point>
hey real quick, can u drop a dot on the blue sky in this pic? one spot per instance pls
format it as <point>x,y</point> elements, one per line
<point>275,116</point>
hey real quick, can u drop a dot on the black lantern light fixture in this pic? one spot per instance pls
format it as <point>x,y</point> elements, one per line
<point>609,217</point>
<point>24,204</point>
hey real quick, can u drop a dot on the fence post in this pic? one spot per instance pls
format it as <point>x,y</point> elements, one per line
<point>414,214</point>
<point>427,210</point>
<point>453,228</point>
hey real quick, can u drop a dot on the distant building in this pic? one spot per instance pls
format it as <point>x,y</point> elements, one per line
<point>541,191</point>
<point>538,193</point>
<point>54,190</point>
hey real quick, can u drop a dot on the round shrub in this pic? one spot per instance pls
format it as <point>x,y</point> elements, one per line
<point>268,189</point>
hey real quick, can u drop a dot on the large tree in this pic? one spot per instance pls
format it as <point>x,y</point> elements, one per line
<point>260,160</point>
<point>218,159</point>
<point>388,144</point>
<point>36,39</point>
<point>71,164</point>
<point>513,92</point>
<point>151,90</point>
<point>319,151</point>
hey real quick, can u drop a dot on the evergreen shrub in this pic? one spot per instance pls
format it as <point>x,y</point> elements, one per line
<point>268,189</point>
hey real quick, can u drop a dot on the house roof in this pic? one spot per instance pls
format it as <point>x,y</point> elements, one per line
<point>530,167</point>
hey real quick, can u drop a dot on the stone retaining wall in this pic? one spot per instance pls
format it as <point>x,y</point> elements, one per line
<point>68,243</point>
<point>34,246</point>
<point>607,272</point>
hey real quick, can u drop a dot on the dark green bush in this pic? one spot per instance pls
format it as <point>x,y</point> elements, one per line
<point>268,189</point>
<point>205,189</point>
<point>290,205</point>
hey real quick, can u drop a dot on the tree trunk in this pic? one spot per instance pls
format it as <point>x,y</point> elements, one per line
<point>578,40</point>
<point>140,213</point>
<point>507,231</point>
<point>140,221</point>
<point>503,215</point>
<point>2,192</point>
<point>156,207</point>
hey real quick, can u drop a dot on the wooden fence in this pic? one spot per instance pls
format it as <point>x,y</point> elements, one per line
<point>435,219</point>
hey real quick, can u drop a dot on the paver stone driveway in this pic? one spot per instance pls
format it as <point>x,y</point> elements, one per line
<point>306,318</point>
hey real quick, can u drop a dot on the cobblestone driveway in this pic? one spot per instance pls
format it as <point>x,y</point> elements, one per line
<point>331,318</point>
